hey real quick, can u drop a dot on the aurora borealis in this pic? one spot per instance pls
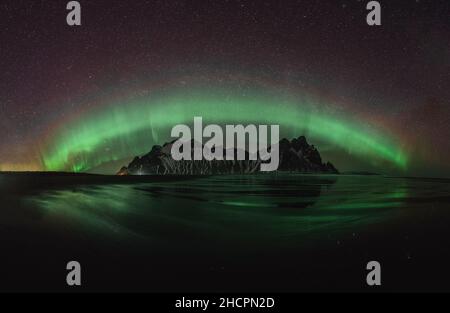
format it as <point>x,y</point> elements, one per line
<point>112,133</point>
<point>78,99</point>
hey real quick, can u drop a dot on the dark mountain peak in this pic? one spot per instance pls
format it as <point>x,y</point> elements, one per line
<point>295,156</point>
<point>299,143</point>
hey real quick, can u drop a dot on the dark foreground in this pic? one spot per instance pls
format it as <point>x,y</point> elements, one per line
<point>226,233</point>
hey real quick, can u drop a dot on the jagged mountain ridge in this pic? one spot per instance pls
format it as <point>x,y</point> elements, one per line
<point>295,156</point>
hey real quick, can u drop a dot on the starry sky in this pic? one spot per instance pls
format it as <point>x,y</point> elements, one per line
<point>90,97</point>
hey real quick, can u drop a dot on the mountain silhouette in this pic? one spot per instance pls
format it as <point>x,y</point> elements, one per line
<point>294,156</point>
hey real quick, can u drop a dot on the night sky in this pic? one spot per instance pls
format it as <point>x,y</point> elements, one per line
<point>90,97</point>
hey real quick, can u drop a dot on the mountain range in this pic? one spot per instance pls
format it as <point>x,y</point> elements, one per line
<point>295,155</point>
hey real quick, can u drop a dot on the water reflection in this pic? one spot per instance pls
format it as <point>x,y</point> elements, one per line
<point>263,232</point>
<point>260,207</point>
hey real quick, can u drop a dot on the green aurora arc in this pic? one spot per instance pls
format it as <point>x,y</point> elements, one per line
<point>129,128</point>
